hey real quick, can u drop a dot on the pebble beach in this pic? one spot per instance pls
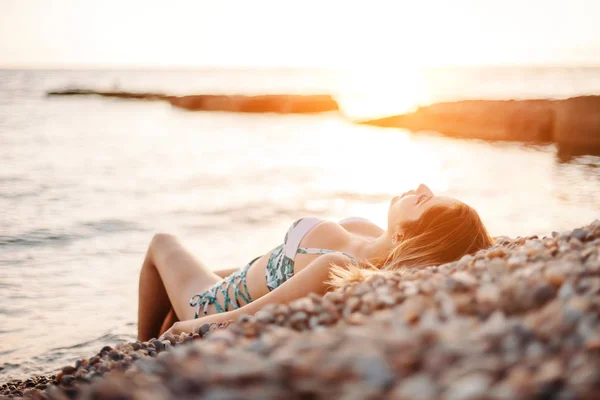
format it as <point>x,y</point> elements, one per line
<point>75,224</point>
<point>518,320</point>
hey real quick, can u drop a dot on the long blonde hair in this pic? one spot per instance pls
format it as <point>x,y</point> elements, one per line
<point>441,235</point>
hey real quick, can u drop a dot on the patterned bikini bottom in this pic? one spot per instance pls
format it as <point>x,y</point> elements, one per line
<point>203,300</point>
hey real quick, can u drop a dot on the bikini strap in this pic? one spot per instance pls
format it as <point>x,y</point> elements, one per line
<point>296,233</point>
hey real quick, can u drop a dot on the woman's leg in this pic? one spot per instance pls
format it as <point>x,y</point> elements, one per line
<point>153,301</point>
<point>170,276</point>
<point>170,319</point>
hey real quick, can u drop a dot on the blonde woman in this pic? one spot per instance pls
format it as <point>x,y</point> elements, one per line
<point>179,293</point>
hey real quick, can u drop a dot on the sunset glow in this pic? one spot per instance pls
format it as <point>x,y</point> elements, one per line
<point>265,33</point>
<point>177,169</point>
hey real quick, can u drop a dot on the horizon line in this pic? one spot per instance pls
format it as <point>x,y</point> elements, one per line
<point>148,67</point>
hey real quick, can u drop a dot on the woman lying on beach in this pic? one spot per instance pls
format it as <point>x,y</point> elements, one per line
<point>179,293</point>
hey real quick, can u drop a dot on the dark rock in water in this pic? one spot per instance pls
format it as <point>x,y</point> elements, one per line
<point>284,104</point>
<point>521,322</point>
<point>118,94</point>
<point>275,103</point>
<point>573,124</point>
<point>526,120</point>
<point>577,125</point>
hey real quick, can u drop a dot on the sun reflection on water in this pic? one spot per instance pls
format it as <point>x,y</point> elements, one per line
<point>388,163</point>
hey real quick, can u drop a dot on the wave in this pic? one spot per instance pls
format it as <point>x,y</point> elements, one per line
<point>111,226</point>
<point>52,360</point>
<point>17,187</point>
<point>107,338</point>
<point>7,352</point>
<point>36,237</point>
<point>81,230</point>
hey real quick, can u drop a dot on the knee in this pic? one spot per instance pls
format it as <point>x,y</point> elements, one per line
<point>160,239</point>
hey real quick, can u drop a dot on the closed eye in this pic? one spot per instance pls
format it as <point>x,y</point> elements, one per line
<point>423,199</point>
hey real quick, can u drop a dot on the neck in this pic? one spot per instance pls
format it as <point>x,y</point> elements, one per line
<point>374,250</point>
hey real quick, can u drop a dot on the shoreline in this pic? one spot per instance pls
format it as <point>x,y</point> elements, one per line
<point>520,319</point>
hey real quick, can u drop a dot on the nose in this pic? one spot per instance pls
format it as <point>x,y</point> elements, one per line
<point>423,189</point>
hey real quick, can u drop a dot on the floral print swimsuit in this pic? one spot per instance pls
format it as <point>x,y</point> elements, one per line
<point>279,269</point>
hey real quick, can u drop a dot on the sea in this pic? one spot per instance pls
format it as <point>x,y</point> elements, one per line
<point>85,182</point>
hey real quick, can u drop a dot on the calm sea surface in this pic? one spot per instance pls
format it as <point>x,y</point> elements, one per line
<point>85,182</point>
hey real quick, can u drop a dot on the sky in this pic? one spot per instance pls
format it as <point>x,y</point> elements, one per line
<point>321,34</point>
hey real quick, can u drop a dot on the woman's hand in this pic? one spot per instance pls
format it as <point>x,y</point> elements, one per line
<point>179,327</point>
<point>312,278</point>
<point>193,325</point>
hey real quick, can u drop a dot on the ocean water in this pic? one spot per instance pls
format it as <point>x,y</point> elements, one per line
<point>86,182</point>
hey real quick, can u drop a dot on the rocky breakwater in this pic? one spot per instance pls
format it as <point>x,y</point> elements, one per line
<point>276,103</point>
<point>573,124</point>
<point>518,320</point>
<point>283,104</point>
<point>117,94</point>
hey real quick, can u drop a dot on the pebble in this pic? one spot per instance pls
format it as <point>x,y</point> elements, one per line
<point>471,387</point>
<point>519,320</point>
<point>68,370</point>
<point>579,234</point>
<point>67,379</point>
<point>204,329</point>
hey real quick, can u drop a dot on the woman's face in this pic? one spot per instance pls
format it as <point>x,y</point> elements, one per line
<point>409,206</point>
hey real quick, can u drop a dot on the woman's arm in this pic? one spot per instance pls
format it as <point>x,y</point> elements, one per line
<point>311,279</point>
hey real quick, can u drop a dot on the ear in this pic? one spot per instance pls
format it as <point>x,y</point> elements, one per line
<point>398,236</point>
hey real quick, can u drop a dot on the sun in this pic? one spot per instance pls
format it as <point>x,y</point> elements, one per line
<point>375,92</point>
